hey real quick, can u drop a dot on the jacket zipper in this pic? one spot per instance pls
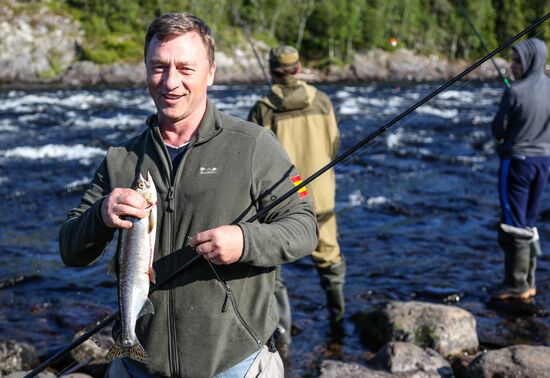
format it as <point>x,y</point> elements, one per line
<point>171,208</point>
<point>229,295</point>
<point>171,328</point>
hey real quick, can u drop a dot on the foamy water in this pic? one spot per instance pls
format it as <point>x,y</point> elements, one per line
<point>416,208</point>
<point>52,151</point>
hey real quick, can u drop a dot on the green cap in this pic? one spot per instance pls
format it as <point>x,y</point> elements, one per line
<point>283,56</point>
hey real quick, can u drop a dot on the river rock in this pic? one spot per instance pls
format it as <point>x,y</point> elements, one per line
<point>45,374</point>
<point>91,353</point>
<point>339,369</point>
<point>405,64</point>
<point>411,360</point>
<point>242,66</point>
<point>123,73</point>
<point>449,330</point>
<point>35,45</point>
<point>84,73</point>
<point>21,374</point>
<point>371,66</point>
<point>519,361</point>
<point>16,356</point>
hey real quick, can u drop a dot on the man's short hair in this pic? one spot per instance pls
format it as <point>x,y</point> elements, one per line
<point>178,24</point>
<point>283,60</point>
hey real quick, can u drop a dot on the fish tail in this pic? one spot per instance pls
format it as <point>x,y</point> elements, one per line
<point>135,352</point>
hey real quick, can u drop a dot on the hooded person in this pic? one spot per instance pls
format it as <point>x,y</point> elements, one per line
<point>522,129</point>
<point>303,119</point>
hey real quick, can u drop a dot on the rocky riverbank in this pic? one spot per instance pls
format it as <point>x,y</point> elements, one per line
<point>41,49</point>
<point>409,339</point>
<point>373,66</point>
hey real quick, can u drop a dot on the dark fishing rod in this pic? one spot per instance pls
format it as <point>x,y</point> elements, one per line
<point>248,36</point>
<point>383,129</point>
<point>465,12</point>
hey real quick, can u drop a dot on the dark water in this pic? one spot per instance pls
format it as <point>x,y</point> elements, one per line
<point>417,213</point>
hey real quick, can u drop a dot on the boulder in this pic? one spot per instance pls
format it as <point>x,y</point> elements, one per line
<point>35,45</point>
<point>123,73</point>
<point>371,66</point>
<point>339,369</point>
<point>520,361</point>
<point>16,356</point>
<point>81,73</point>
<point>21,374</point>
<point>91,353</point>
<point>411,360</point>
<point>449,330</point>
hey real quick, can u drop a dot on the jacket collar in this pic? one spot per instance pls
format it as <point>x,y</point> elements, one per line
<point>209,127</point>
<point>290,94</point>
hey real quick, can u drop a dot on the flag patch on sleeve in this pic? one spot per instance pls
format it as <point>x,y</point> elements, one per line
<point>297,180</point>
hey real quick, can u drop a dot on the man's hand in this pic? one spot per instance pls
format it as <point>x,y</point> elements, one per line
<point>220,245</point>
<point>122,202</point>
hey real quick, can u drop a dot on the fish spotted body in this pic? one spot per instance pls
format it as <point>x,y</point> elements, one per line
<point>134,259</point>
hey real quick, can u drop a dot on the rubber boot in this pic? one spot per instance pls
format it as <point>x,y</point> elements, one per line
<point>283,337</point>
<point>535,251</point>
<point>516,243</point>
<point>332,282</point>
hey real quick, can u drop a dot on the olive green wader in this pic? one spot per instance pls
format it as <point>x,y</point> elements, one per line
<point>521,247</point>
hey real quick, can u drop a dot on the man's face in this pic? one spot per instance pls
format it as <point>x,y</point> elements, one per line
<point>515,66</point>
<point>178,74</point>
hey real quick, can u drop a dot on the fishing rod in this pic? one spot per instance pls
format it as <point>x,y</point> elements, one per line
<point>465,12</point>
<point>383,129</point>
<point>248,36</point>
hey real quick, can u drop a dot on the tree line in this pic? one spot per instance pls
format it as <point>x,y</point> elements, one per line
<point>325,31</point>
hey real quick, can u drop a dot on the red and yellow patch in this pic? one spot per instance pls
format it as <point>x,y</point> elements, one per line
<point>297,180</point>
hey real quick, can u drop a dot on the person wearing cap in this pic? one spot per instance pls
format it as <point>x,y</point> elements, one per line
<point>303,119</point>
<point>522,128</point>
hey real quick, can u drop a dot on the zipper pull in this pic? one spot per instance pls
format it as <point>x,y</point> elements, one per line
<point>225,302</point>
<point>228,297</point>
<point>170,200</point>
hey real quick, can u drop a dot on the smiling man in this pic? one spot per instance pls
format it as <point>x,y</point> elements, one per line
<point>212,172</point>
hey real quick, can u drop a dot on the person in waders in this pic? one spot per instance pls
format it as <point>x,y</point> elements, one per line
<point>303,119</point>
<point>522,128</point>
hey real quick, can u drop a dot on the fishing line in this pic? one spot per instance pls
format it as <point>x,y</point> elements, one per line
<point>248,36</point>
<point>483,44</point>
<point>262,212</point>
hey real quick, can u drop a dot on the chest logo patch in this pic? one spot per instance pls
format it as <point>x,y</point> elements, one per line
<point>208,171</point>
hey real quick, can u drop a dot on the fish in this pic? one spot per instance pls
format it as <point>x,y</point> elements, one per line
<point>134,260</point>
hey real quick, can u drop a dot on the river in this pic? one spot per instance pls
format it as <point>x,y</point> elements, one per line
<point>417,212</point>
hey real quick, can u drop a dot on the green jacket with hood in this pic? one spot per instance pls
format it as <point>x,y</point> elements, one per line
<point>231,170</point>
<point>303,119</point>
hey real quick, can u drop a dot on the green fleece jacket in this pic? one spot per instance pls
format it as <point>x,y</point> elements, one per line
<point>231,170</point>
<point>303,119</point>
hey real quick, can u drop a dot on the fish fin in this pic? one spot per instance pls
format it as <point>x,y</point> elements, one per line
<point>153,219</point>
<point>147,308</point>
<point>152,275</point>
<point>116,351</point>
<point>135,352</point>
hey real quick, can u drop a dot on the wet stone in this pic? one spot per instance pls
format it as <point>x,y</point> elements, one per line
<point>449,330</point>
<point>409,359</point>
<point>16,356</point>
<point>520,361</point>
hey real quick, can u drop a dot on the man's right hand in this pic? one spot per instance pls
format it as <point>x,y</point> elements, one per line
<point>122,202</point>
